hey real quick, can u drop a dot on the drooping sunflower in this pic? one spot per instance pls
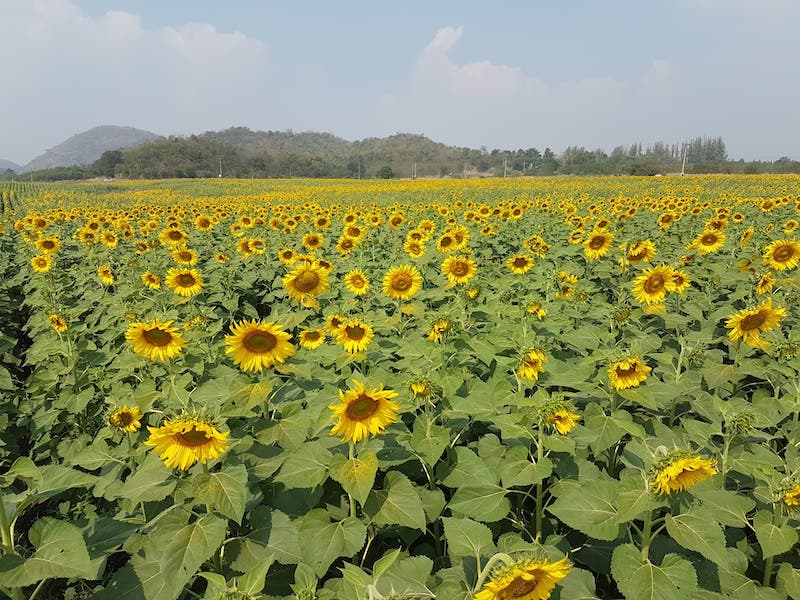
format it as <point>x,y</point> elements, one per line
<point>682,472</point>
<point>459,269</point>
<point>185,441</point>
<point>157,340</point>
<point>652,285</point>
<point>641,251</point>
<point>563,420</point>
<point>597,245</point>
<point>744,239</point>
<point>628,373</point>
<point>708,241</point>
<point>680,281</point>
<point>531,365</point>
<point>439,329</point>
<point>42,263</point>
<point>355,336</point>
<point>221,258</point>
<point>748,325</point>
<point>126,418</point>
<point>534,308</point>
<point>519,264</point>
<point>58,322</point>
<point>527,579</point>
<point>305,282</point>
<point>106,275</point>
<point>334,322</point>
<point>363,412</point>
<point>151,280</point>
<point>184,282</point>
<point>401,283</point>
<point>420,388</point>
<point>356,282</point>
<point>782,255</point>
<point>257,345</point>
<point>312,338</point>
<point>765,284</point>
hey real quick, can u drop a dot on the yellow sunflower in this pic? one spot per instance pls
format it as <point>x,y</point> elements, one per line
<point>312,241</point>
<point>531,365</point>
<point>641,251</point>
<point>765,284</point>
<point>185,256</point>
<point>401,283</point>
<point>364,412</point>
<point>459,269</point>
<point>184,282</point>
<point>598,245</point>
<point>708,241</point>
<point>42,263</point>
<point>748,325</point>
<point>531,579</point>
<point>151,280</point>
<point>355,336</point>
<point>680,281</point>
<point>534,308</point>
<point>782,255</point>
<point>439,329</point>
<point>58,322</point>
<point>157,340</point>
<point>187,440</point>
<point>48,245</point>
<point>628,373</point>
<point>563,420</point>
<point>414,248</point>
<point>125,418</point>
<point>312,338</point>
<point>420,388</point>
<point>652,285</point>
<point>106,275</point>
<point>204,223</point>
<point>744,239</point>
<point>256,345</point>
<point>334,323</point>
<point>356,282</point>
<point>305,282</point>
<point>519,264</point>
<point>792,497</point>
<point>173,237</point>
<point>682,473</point>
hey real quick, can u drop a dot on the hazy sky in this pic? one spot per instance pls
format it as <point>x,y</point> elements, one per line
<point>501,75</point>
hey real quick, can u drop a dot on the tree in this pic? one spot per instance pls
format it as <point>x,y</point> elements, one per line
<point>106,165</point>
<point>385,172</point>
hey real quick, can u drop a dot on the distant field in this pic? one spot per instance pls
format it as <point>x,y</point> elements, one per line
<point>495,388</point>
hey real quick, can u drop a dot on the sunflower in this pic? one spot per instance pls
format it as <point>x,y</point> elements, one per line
<point>109,239</point>
<point>420,388</point>
<point>105,274</point>
<point>439,329</point>
<point>792,497</point>
<point>563,420</point>
<point>641,251</point>
<point>749,324</point>
<point>221,258</point>
<point>258,345</point>
<point>782,255</point>
<point>355,336</point>
<point>286,256</point>
<point>744,239</point>
<point>527,579</point>
<point>58,322</point>
<point>765,284</point>
<point>534,308</point>
<point>157,340</point>
<point>48,245</point>
<point>401,283</point>
<point>364,412</point>
<point>598,245</point>
<point>42,263</point>
<point>519,264</point>
<point>173,237</point>
<point>446,243</point>
<point>414,248</point>
<point>683,472</point>
<point>185,256</point>
<point>151,280</point>
<point>125,418</point>
<point>708,241</point>
<point>334,323</point>
<point>187,440</point>
<point>305,282</point>
<point>311,339</point>
<point>356,282</point>
<point>345,245</point>
<point>652,285</point>
<point>628,373</point>
<point>184,282</point>
<point>531,365</point>
<point>680,281</point>
<point>204,223</point>
<point>459,269</point>
<point>312,241</point>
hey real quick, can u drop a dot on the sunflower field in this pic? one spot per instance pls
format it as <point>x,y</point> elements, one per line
<point>490,389</point>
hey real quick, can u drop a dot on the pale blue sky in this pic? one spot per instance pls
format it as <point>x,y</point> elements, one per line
<point>505,75</point>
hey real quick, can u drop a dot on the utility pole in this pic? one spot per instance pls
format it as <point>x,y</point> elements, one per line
<point>220,167</point>
<point>683,166</point>
<point>505,170</point>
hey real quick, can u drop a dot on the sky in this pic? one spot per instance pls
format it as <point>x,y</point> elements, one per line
<point>516,74</point>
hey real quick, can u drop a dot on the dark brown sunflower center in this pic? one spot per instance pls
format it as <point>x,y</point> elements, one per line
<point>654,284</point>
<point>354,332</point>
<point>362,407</point>
<point>347,243</point>
<point>157,337</point>
<point>357,281</point>
<point>753,322</point>
<point>204,223</point>
<point>192,438</point>
<point>259,341</point>
<point>445,241</point>
<point>185,255</point>
<point>623,373</point>
<point>122,418</point>
<point>313,241</point>
<point>597,242</point>
<point>459,268</point>
<point>353,231</point>
<point>186,280</point>
<point>48,244</point>
<point>175,235</point>
<point>520,263</point>
<point>783,253</point>
<point>312,336</point>
<point>402,281</point>
<point>518,588</point>
<point>306,282</point>
<point>709,239</point>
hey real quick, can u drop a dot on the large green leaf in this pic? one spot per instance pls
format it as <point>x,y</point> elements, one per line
<point>224,491</point>
<point>323,541</point>
<point>397,504</point>
<point>306,467</point>
<point>151,482</point>
<point>465,537</point>
<point>695,531</point>
<point>728,508</point>
<point>356,475</point>
<point>60,552</point>
<point>592,512</point>
<point>773,539</point>
<point>273,534</point>
<point>429,440</point>
<point>482,502</point>
<point>638,578</point>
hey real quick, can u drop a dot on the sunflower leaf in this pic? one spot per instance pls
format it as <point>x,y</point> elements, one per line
<point>772,538</point>
<point>224,491</point>
<point>397,504</point>
<point>694,531</point>
<point>466,537</point>
<point>356,475</point>
<point>638,578</point>
<point>323,541</point>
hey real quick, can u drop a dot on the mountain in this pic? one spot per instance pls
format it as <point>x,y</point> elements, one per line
<point>7,164</point>
<point>85,148</point>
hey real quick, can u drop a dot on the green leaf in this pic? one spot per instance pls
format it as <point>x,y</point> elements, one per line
<point>773,539</point>
<point>429,440</point>
<point>728,508</point>
<point>788,581</point>
<point>694,531</point>
<point>406,578</point>
<point>524,472</point>
<point>58,478</point>
<point>323,541</point>
<point>306,467</point>
<point>252,582</point>
<point>355,475</point>
<point>397,504</point>
<point>151,482</point>
<point>224,491</point>
<point>578,585</point>
<point>595,513</point>
<point>636,578</point>
<point>22,468</point>
<point>60,552</point>
<point>273,534</point>
<point>465,537</point>
<point>485,502</point>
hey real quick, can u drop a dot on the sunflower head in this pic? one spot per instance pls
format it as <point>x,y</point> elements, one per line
<point>678,470</point>
<point>597,245</point>
<point>156,340</point>
<point>440,329</point>
<point>355,336</point>
<point>782,255</point>
<point>184,441</point>
<point>527,578</point>
<point>747,325</point>
<point>363,412</point>
<point>652,285</point>
<point>126,418</point>
<point>58,322</point>
<point>184,282</point>
<point>306,281</point>
<point>531,364</point>
<point>356,282</point>
<point>628,373</point>
<point>257,345</point>
<point>519,264</point>
<point>401,283</point>
<point>105,274</point>
<point>312,338</point>
<point>459,269</point>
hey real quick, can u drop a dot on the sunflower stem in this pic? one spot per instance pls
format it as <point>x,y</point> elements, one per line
<point>646,535</point>
<point>768,571</point>
<point>539,489</point>
<point>499,557</point>
<point>351,456</point>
